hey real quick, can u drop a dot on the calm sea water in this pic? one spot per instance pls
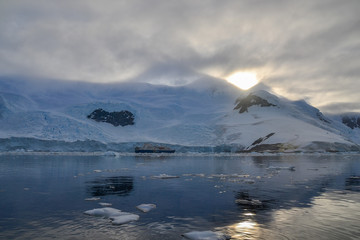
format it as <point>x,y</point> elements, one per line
<point>43,197</point>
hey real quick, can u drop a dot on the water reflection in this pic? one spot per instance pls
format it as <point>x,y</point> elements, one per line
<point>248,228</point>
<point>244,197</point>
<point>119,185</point>
<point>353,183</point>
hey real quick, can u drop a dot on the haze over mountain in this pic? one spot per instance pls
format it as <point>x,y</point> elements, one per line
<point>206,115</point>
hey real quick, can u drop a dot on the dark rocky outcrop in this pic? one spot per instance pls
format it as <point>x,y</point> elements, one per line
<point>351,121</point>
<point>322,117</point>
<point>243,104</point>
<point>260,140</point>
<point>274,148</point>
<point>122,118</point>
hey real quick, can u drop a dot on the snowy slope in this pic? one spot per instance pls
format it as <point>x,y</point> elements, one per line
<point>198,114</point>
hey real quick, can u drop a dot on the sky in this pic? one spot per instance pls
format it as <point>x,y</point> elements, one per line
<point>307,49</point>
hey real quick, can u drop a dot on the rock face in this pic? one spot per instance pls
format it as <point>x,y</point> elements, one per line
<point>351,121</point>
<point>122,118</point>
<point>251,100</point>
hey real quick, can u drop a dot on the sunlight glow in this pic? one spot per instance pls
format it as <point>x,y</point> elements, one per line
<point>243,80</point>
<point>246,225</point>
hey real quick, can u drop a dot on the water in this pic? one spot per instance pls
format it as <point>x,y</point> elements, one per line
<point>43,197</point>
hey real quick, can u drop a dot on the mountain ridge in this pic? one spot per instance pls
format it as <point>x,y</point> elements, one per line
<point>202,114</point>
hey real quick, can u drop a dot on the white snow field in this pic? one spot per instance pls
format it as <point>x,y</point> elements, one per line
<point>37,115</point>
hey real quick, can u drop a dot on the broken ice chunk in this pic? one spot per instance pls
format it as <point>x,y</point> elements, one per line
<point>104,212</point>
<point>249,181</point>
<point>105,204</point>
<point>92,199</point>
<point>116,216</point>
<point>291,168</point>
<point>249,202</point>
<point>146,207</point>
<point>205,235</point>
<point>164,176</point>
<point>124,218</point>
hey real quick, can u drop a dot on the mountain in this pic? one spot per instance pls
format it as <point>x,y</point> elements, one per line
<point>205,115</point>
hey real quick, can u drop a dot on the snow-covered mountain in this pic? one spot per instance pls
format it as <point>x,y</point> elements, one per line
<point>206,115</point>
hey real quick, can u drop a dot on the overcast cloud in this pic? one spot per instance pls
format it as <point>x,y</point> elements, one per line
<point>307,49</point>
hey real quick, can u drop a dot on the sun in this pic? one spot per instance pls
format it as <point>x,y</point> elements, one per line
<point>243,80</point>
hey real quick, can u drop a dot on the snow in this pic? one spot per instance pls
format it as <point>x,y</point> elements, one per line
<point>197,117</point>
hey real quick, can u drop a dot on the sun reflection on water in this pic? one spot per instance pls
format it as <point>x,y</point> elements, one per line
<point>246,229</point>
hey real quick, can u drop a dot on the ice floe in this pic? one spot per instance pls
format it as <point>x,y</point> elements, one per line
<point>105,204</point>
<point>92,199</point>
<point>205,235</point>
<point>164,176</point>
<point>249,181</point>
<point>291,168</point>
<point>249,202</point>
<point>116,216</point>
<point>124,218</point>
<point>146,207</point>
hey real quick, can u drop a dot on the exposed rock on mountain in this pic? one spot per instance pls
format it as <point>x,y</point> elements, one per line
<point>260,140</point>
<point>122,118</point>
<point>244,103</point>
<point>351,121</point>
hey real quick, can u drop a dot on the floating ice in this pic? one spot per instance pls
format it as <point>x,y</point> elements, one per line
<point>291,168</point>
<point>205,235</point>
<point>249,181</point>
<point>110,154</point>
<point>124,218</point>
<point>146,207</point>
<point>249,202</point>
<point>92,199</point>
<point>104,212</point>
<point>164,176</point>
<point>97,171</point>
<point>194,175</point>
<point>116,216</point>
<point>105,204</point>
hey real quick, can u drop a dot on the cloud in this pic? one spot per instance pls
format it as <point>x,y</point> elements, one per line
<point>302,49</point>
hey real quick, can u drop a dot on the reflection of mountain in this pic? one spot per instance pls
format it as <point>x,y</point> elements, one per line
<point>352,183</point>
<point>121,186</point>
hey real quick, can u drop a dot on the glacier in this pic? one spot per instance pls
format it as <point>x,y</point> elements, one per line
<point>202,116</point>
